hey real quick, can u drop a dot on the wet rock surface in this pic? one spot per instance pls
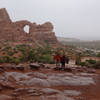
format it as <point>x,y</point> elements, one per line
<point>72,93</point>
<point>5,97</point>
<point>44,84</point>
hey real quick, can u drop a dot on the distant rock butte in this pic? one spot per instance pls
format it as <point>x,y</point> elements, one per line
<point>14,31</point>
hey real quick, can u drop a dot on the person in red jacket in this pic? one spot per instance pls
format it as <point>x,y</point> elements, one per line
<point>57,59</point>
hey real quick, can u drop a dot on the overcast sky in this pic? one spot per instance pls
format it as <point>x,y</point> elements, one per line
<point>71,18</point>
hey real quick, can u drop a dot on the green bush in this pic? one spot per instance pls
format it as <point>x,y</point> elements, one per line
<point>83,64</point>
<point>10,53</point>
<point>15,60</point>
<point>7,48</point>
<point>45,59</point>
<point>98,55</point>
<point>91,61</point>
<point>78,61</point>
<point>15,50</point>
<point>1,60</point>
<point>6,59</point>
<point>97,65</point>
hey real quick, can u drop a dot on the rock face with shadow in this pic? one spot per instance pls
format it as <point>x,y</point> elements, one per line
<point>14,31</point>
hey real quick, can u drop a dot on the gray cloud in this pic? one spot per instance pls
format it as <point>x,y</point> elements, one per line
<point>71,18</point>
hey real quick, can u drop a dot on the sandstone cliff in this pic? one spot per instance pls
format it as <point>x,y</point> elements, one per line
<point>14,31</point>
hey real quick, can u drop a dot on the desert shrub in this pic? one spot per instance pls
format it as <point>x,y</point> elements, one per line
<point>22,58</point>
<point>98,55</point>
<point>97,65</point>
<point>15,60</point>
<point>6,59</point>
<point>32,55</point>
<point>1,60</point>
<point>78,60</point>
<point>45,59</point>
<point>21,48</point>
<point>7,48</point>
<point>10,53</point>
<point>91,61</point>
<point>83,64</point>
<point>15,50</point>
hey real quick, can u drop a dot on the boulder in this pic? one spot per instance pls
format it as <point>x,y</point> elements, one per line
<point>10,67</point>
<point>42,65</point>
<point>2,70</point>
<point>20,67</point>
<point>57,68</point>
<point>91,70</point>
<point>34,66</point>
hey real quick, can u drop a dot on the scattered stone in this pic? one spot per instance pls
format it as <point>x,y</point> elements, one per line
<point>10,67</point>
<point>1,67</point>
<point>40,75</point>
<point>68,69</point>
<point>49,91</point>
<point>19,67</point>
<point>57,68</point>
<point>91,70</point>
<point>2,70</point>
<point>72,93</point>
<point>34,66</point>
<point>42,65</point>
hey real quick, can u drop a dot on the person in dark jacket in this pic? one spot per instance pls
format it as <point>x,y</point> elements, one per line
<point>63,61</point>
<point>67,60</point>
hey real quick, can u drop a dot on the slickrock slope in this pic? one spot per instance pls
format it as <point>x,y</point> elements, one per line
<point>14,31</point>
<point>19,82</point>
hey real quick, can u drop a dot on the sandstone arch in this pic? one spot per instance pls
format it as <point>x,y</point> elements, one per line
<point>15,30</point>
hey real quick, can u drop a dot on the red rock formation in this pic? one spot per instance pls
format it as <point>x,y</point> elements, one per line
<point>14,31</point>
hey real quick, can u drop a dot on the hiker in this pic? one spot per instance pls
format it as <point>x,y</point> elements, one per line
<point>67,60</point>
<point>57,59</point>
<point>63,61</point>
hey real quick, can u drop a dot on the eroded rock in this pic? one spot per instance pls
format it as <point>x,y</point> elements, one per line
<point>34,66</point>
<point>49,91</point>
<point>72,93</point>
<point>5,97</point>
<point>14,31</point>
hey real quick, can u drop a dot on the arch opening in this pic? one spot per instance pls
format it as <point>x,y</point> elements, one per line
<point>27,29</point>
